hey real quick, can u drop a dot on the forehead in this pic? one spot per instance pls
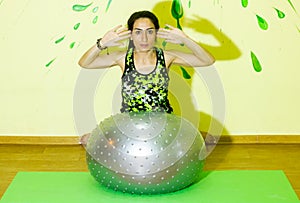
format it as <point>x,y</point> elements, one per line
<point>143,23</point>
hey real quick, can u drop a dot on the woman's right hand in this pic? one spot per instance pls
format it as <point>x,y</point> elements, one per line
<point>114,36</point>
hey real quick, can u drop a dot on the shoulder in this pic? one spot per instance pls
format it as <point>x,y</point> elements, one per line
<point>120,58</point>
<point>169,57</point>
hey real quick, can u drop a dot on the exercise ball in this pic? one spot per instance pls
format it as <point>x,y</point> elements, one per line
<point>145,153</point>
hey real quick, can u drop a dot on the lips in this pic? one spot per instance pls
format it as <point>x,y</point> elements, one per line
<point>144,45</point>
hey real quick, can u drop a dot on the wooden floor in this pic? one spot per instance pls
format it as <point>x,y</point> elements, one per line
<point>14,158</point>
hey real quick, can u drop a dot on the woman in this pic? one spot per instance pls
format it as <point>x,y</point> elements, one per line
<point>145,68</point>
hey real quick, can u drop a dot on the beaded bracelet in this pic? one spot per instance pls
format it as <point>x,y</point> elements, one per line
<point>98,43</point>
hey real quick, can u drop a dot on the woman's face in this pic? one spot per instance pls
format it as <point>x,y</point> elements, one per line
<point>143,34</point>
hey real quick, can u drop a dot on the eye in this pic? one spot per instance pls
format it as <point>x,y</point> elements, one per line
<point>150,32</point>
<point>137,32</point>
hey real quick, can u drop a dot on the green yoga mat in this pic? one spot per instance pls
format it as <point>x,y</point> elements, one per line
<point>215,187</point>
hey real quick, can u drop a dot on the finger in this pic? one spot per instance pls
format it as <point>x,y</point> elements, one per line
<point>118,44</point>
<point>169,26</point>
<point>121,29</point>
<point>124,37</point>
<point>172,41</point>
<point>162,35</point>
<point>163,30</point>
<point>125,33</point>
<point>116,28</point>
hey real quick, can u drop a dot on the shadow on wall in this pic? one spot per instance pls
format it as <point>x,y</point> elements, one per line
<point>226,50</point>
<point>180,88</point>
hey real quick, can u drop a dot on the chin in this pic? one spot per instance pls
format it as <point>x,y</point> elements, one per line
<point>140,49</point>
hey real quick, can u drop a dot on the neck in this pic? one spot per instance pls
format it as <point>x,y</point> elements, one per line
<point>145,57</point>
<point>144,53</point>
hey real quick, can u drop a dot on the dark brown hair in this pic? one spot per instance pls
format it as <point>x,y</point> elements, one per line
<point>142,14</point>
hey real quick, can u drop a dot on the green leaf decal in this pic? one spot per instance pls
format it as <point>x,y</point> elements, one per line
<point>262,22</point>
<point>50,62</point>
<point>95,9</point>
<point>72,45</point>
<point>60,39</point>
<point>255,62</point>
<point>177,11</point>
<point>280,13</point>
<point>79,8</point>
<point>244,3</point>
<point>95,20</point>
<point>76,26</point>
<point>291,4</point>
<point>185,74</point>
<point>164,43</point>
<point>108,5</point>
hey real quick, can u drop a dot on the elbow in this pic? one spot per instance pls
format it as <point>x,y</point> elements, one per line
<point>205,63</point>
<point>211,62</point>
<point>82,65</point>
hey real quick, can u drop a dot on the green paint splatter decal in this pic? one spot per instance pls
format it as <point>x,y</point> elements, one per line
<point>76,26</point>
<point>185,74</point>
<point>255,62</point>
<point>108,5</point>
<point>177,11</point>
<point>164,44</point>
<point>263,25</point>
<point>77,8</point>
<point>95,9</point>
<point>280,14</point>
<point>262,22</point>
<point>72,45</point>
<point>293,7</point>
<point>95,20</point>
<point>244,3</point>
<point>80,8</point>
<point>60,39</point>
<point>50,62</point>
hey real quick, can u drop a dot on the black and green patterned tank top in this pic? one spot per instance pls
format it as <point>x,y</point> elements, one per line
<point>145,92</point>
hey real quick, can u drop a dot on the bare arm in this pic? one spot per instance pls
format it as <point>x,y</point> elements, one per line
<point>198,56</point>
<point>93,58</point>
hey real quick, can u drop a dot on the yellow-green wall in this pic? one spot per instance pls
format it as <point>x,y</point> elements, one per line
<point>38,100</point>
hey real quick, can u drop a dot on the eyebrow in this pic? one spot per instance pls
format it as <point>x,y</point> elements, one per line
<point>151,28</point>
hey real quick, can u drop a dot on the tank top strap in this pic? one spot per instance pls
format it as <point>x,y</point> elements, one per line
<point>129,65</point>
<point>160,58</point>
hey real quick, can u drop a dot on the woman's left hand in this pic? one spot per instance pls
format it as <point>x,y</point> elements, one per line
<point>172,35</point>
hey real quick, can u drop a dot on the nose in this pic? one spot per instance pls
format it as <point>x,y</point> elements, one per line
<point>144,37</point>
